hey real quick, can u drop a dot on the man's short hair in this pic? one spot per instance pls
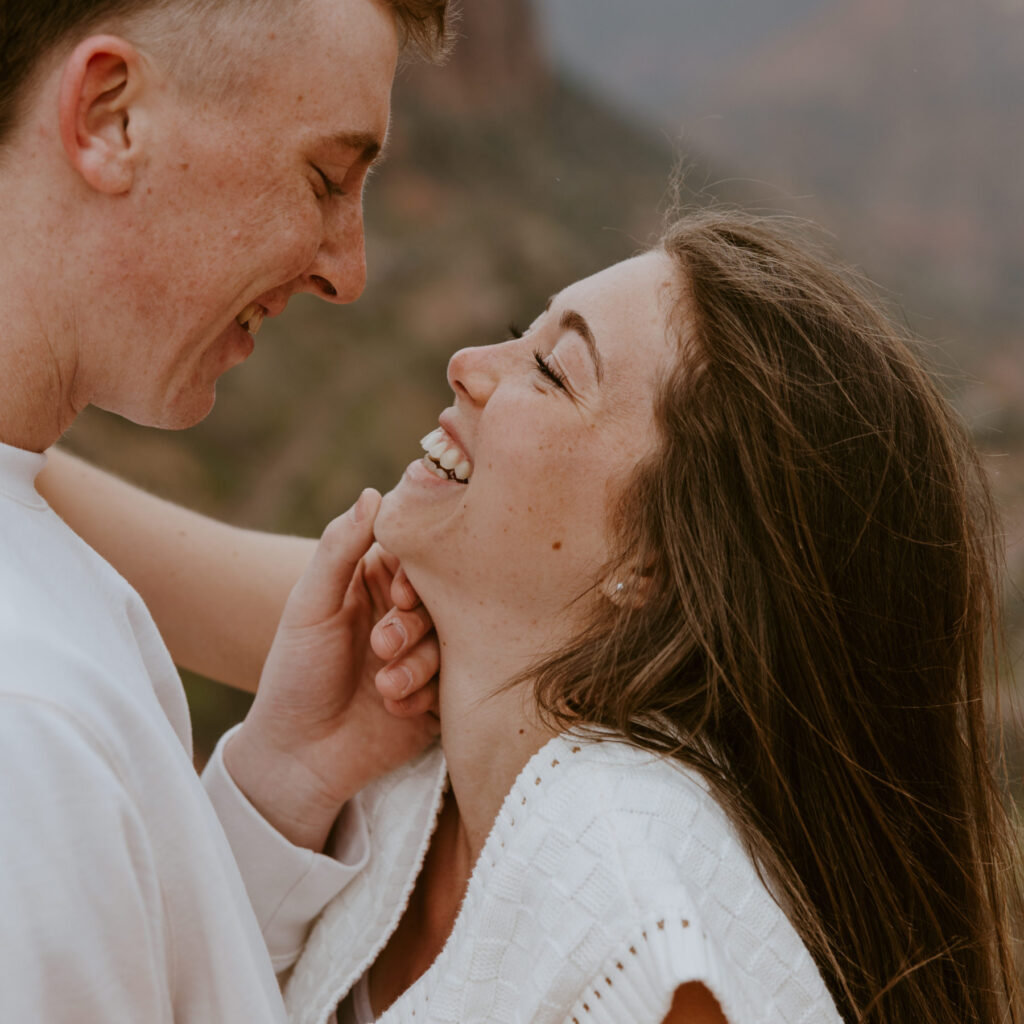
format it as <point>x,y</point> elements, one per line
<point>32,29</point>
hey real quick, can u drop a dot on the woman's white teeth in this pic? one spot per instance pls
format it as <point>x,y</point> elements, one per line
<point>445,457</point>
<point>251,318</point>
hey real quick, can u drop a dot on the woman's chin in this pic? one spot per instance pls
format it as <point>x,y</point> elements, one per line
<point>387,526</point>
<point>414,506</point>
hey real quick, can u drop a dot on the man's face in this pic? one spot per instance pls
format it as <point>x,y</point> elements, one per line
<point>240,206</point>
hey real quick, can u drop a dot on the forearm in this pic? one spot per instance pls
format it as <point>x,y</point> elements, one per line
<point>288,885</point>
<point>216,591</point>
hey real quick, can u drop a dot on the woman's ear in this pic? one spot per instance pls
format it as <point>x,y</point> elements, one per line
<point>102,79</point>
<point>628,589</point>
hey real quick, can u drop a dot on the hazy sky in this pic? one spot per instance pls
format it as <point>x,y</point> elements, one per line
<point>654,53</point>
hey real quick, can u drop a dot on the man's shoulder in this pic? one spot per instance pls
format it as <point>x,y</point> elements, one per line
<point>78,652</point>
<point>70,625</point>
<point>44,670</point>
<point>48,573</point>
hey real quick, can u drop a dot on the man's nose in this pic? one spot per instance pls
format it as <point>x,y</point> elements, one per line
<point>338,271</point>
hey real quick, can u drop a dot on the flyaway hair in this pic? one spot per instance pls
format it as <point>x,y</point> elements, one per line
<point>818,546</point>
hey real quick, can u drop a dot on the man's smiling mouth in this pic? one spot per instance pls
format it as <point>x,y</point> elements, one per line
<point>251,318</point>
<point>445,458</point>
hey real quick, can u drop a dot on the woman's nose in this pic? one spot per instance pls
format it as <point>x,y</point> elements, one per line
<point>474,372</point>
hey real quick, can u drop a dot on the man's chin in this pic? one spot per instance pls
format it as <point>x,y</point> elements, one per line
<point>184,411</point>
<point>190,410</point>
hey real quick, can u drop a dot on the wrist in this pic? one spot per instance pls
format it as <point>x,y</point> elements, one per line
<point>282,789</point>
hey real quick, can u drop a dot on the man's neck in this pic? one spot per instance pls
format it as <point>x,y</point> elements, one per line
<point>38,382</point>
<point>36,404</point>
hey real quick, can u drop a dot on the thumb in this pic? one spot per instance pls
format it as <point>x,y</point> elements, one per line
<point>321,589</point>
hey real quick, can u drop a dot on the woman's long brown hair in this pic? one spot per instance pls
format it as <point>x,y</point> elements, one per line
<point>814,545</point>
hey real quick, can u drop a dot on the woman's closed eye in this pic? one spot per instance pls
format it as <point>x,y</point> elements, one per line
<point>552,373</point>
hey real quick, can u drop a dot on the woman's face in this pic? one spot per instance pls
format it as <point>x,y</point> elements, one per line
<point>543,433</point>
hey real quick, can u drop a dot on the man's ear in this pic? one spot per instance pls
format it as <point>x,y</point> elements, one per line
<point>101,80</point>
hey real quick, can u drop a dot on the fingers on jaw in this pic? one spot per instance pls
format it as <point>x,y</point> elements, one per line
<point>402,592</point>
<point>401,631</point>
<point>395,682</point>
<point>387,559</point>
<point>403,678</point>
<point>417,703</point>
<point>389,638</point>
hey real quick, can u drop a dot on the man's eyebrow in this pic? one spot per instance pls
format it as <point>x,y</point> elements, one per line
<point>369,145</point>
<point>573,321</point>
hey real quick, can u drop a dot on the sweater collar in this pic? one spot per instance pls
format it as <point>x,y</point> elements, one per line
<point>18,472</point>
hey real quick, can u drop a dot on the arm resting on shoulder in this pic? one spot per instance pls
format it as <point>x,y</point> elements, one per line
<point>216,591</point>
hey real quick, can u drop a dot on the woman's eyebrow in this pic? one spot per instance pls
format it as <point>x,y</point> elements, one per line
<point>573,321</point>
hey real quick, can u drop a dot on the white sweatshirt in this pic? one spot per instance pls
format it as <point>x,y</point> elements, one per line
<point>120,900</point>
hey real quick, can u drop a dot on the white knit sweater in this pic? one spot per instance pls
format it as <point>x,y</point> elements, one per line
<point>610,877</point>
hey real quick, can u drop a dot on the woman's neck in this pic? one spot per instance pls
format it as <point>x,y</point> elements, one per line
<point>488,732</point>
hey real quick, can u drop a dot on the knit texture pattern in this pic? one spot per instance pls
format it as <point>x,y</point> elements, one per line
<point>610,877</point>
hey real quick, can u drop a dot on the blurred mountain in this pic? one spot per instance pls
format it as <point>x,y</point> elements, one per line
<point>892,121</point>
<point>500,62</point>
<point>900,118</point>
<point>651,54</point>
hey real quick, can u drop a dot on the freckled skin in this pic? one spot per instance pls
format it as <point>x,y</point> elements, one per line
<point>181,254</point>
<point>547,464</point>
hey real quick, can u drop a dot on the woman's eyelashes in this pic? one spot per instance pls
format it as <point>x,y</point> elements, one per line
<point>551,373</point>
<point>554,375</point>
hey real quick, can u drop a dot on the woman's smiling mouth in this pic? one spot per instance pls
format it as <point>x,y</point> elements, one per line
<point>445,458</point>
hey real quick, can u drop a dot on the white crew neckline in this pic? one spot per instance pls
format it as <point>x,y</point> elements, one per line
<point>18,471</point>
